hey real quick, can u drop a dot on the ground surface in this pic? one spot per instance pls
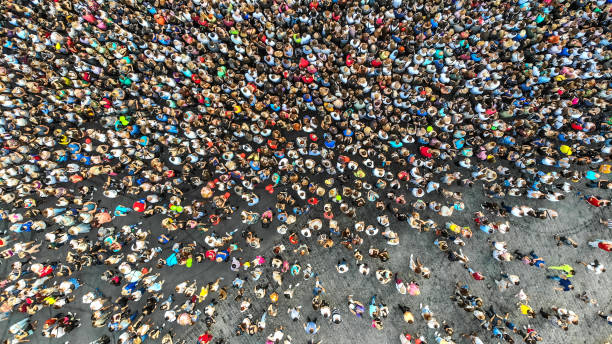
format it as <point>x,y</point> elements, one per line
<point>577,219</point>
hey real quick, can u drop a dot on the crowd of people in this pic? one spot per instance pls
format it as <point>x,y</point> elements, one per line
<point>134,131</point>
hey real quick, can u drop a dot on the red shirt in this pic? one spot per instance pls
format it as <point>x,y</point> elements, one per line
<point>606,246</point>
<point>308,79</point>
<point>349,61</point>
<point>46,271</point>
<point>478,276</point>
<point>594,201</point>
<point>205,338</point>
<point>425,152</point>
<point>139,206</point>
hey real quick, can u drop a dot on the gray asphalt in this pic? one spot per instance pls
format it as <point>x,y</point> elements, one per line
<point>577,219</point>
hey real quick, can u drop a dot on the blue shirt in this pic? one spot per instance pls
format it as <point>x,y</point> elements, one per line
<point>311,328</point>
<point>565,283</point>
<point>590,175</point>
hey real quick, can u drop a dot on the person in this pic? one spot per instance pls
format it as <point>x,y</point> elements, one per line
<point>562,239</point>
<point>407,315</point>
<point>531,259</point>
<point>311,326</point>
<point>527,310</point>
<point>473,337</point>
<point>318,288</point>
<point>595,267</point>
<point>564,283</point>
<point>476,275</point>
<point>355,307</point>
<point>596,202</point>
<point>205,338</point>
<point>605,245</point>
<point>294,313</point>
<point>507,281</point>
<point>608,317</point>
<point>566,269</point>
<point>336,317</point>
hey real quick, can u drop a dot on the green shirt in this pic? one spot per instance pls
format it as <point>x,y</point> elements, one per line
<point>565,268</point>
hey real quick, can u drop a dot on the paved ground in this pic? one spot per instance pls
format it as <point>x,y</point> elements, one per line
<point>582,224</point>
<point>577,219</point>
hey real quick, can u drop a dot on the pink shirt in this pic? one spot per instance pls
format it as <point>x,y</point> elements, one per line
<point>413,289</point>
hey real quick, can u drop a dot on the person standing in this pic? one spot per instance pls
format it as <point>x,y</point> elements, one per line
<point>310,326</point>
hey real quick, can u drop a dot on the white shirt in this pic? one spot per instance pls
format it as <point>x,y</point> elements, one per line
<point>597,269</point>
<point>295,313</point>
<point>170,316</point>
<point>517,212</point>
<point>498,253</point>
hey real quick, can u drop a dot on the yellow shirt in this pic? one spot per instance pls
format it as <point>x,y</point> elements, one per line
<point>50,300</point>
<point>525,309</point>
<point>454,228</point>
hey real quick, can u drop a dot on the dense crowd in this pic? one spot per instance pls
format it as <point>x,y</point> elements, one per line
<point>190,112</point>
